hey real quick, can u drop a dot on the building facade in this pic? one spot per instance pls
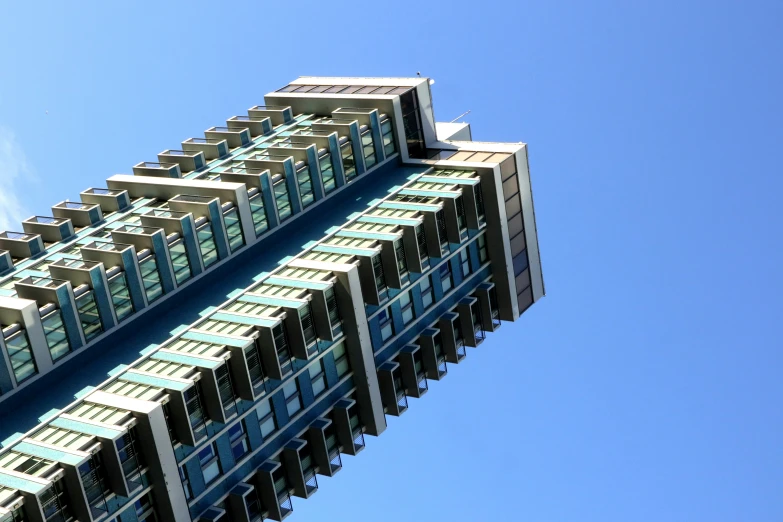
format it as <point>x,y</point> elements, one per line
<point>260,300</point>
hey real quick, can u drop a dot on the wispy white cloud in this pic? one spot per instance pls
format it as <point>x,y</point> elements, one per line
<point>13,166</point>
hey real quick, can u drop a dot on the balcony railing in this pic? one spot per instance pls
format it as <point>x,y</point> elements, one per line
<point>335,462</point>
<point>358,441</point>
<point>311,482</point>
<point>286,506</point>
<point>422,384</point>
<point>402,401</point>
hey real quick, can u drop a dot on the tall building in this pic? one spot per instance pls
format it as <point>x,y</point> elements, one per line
<point>207,338</point>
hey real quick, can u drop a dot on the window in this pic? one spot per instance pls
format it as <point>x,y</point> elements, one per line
<point>427,292</point>
<point>406,306</point>
<point>402,263</point>
<point>258,212</point>
<point>120,296</point>
<point>169,423</point>
<point>194,404</point>
<point>282,200</point>
<point>21,356</point>
<point>266,418</point>
<point>349,165</point>
<point>411,122</point>
<point>445,277</point>
<point>130,458</point>
<point>481,242</point>
<point>327,173</point>
<point>387,135</point>
<point>308,328</point>
<point>293,399</point>
<point>151,278</point>
<point>179,261</point>
<point>335,320</point>
<point>253,359</point>
<point>479,197</point>
<point>317,377</point>
<point>253,506</point>
<point>305,186</point>
<point>54,503</point>
<point>385,324</point>
<point>210,465</point>
<point>93,480</point>
<point>237,436</point>
<point>440,218</point>
<point>368,149</point>
<point>281,345</point>
<point>206,242</point>
<point>55,335</point>
<point>88,314</point>
<point>421,239</point>
<point>341,362</point>
<point>226,390</point>
<point>380,278</point>
<point>462,219</point>
<point>233,229</point>
<point>464,261</point>
<point>183,477</point>
<point>145,509</point>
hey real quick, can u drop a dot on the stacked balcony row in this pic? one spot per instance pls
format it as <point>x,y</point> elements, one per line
<point>137,258</point>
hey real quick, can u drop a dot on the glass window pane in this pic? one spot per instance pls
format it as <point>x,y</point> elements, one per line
<point>206,241</point>
<point>179,261</point>
<point>151,278</point>
<point>21,356</point>
<point>56,338</point>
<point>233,230</point>
<point>118,288</point>
<point>88,314</point>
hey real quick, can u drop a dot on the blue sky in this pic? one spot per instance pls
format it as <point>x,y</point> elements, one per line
<point>646,385</point>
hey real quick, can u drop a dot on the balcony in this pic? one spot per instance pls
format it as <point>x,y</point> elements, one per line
<point>21,245</point>
<point>234,137</point>
<point>411,362</point>
<point>108,200</point>
<point>188,160</point>
<point>392,389</point>
<point>157,170</point>
<point>213,148</point>
<point>50,229</point>
<point>81,214</point>
<point>279,115</point>
<point>272,487</point>
<point>258,126</point>
<point>323,441</point>
<point>347,427</point>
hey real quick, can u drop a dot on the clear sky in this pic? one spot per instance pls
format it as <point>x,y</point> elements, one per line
<point>646,386</point>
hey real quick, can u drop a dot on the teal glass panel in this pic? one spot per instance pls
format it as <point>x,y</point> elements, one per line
<point>120,296</point>
<point>21,356</point>
<point>258,212</point>
<point>206,242</point>
<point>387,135</point>
<point>151,278</point>
<point>368,149</point>
<point>327,173</point>
<point>56,338</point>
<point>349,164</point>
<point>305,187</point>
<point>88,314</point>
<point>179,261</point>
<point>233,230</point>
<point>283,201</point>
